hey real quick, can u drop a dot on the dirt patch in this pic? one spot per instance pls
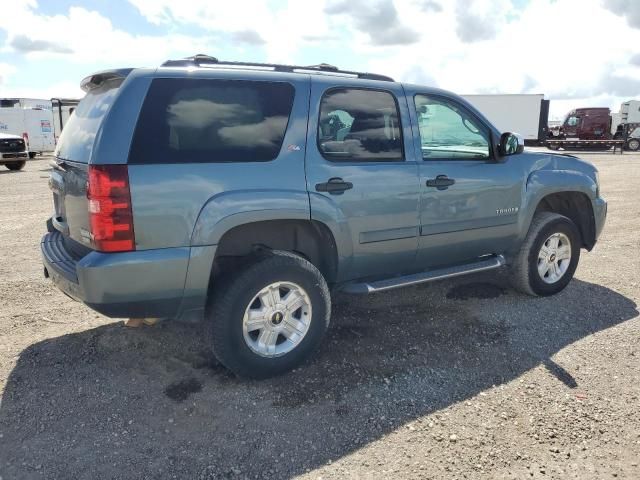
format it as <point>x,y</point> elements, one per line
<point>182,389</point>
<point>480,291</point>
<point>407,385</point>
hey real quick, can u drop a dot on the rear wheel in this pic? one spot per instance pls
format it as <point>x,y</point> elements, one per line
<point>32,155</point>
<point>15,165</point>
<point>633,144</point>
<point>548,257</point>
<point>270,316</point>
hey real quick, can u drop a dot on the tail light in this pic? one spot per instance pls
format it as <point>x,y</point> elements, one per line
<point>110,213</point>
<point>25,138</point>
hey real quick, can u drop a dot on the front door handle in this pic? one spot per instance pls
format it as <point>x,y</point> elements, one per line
<point>335,186</point>
<point>441,182</point>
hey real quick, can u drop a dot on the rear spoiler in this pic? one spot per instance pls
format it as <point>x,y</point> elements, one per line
<point>97,79</point>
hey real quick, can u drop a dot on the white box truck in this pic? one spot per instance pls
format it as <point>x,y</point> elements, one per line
<point>34,125</point>
<point>62,108</point>
<point>526,114</point>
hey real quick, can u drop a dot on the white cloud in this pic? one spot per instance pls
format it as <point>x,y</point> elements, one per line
<point>480,19</point>
<point>5,71</point>
<point>284,30</point>
<point>467,46</point>
<point>64,89</point>
<point>536,49</point>
<point>630,9</point>
<point>84,36</point>
<point>377,19</point>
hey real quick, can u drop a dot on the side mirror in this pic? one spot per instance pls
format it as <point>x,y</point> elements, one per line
<point>510,144</point>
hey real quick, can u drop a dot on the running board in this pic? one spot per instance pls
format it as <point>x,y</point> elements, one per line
<point>381,285</point>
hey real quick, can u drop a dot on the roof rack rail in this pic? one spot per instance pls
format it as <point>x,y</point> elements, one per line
<point>201,60</point>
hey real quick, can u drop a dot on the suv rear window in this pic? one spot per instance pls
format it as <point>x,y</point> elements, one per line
<point>76,141</point>
<point>201,120</point>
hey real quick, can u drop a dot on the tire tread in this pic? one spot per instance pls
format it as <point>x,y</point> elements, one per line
<point>226,294</point>
<point>520,266</point>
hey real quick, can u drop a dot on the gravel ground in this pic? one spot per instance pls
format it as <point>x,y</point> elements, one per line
<point>457,379</point>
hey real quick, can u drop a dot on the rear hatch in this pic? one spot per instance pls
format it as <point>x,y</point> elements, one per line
<point>69,176</point>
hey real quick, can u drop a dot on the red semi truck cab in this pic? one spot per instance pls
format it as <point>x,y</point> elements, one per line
<point>587,124</point>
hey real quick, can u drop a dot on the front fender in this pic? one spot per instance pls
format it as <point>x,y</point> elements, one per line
<point>541,183</point>
<point>227,210</point>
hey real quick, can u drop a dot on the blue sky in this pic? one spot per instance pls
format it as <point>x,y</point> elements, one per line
<point>468,46</point>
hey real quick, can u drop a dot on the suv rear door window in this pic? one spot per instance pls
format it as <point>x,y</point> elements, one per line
<point>359,125</point>
<point>202,120</point>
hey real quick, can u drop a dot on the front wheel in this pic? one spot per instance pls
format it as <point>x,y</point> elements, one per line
<point>15,165</point>
<point>270,317</point>
<point>548,256</point>
<point>633,144</point>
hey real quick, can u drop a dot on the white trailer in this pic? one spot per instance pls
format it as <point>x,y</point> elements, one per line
<point>43,103</point>
<point>526,114</point>
<point>630,112</point>
<point>625,124</point>
<point>34,125</point>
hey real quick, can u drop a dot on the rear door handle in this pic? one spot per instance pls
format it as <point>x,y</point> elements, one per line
<point>335,186</point>
<point>441,182</point>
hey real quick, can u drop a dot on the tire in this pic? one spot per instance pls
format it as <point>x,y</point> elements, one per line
<point>15,165</point>
<point>32,155</point>
<point>240,349</point>
<point>525,272</point>
<point>633,144</point>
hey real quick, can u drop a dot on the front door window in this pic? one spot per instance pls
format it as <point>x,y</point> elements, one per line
<point>449,132</point>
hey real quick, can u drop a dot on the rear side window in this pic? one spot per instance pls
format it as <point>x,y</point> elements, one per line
<point>79,133</point>
<point>359,125</point>
<point>200,120</point>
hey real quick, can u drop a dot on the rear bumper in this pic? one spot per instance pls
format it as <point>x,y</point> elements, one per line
<point>149,283</point>
<point>14,156</point>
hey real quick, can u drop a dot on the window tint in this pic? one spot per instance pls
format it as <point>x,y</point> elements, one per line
<point>448,131</point>
<point>359,125</point>
<point>196,120</point>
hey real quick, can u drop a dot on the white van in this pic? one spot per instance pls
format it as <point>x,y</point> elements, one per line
<point>34,125</point>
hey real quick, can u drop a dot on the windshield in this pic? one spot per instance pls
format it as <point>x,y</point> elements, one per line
<point>78,135</point>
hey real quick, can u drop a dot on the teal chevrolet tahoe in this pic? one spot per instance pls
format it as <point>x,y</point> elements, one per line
<point>244,194</point>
